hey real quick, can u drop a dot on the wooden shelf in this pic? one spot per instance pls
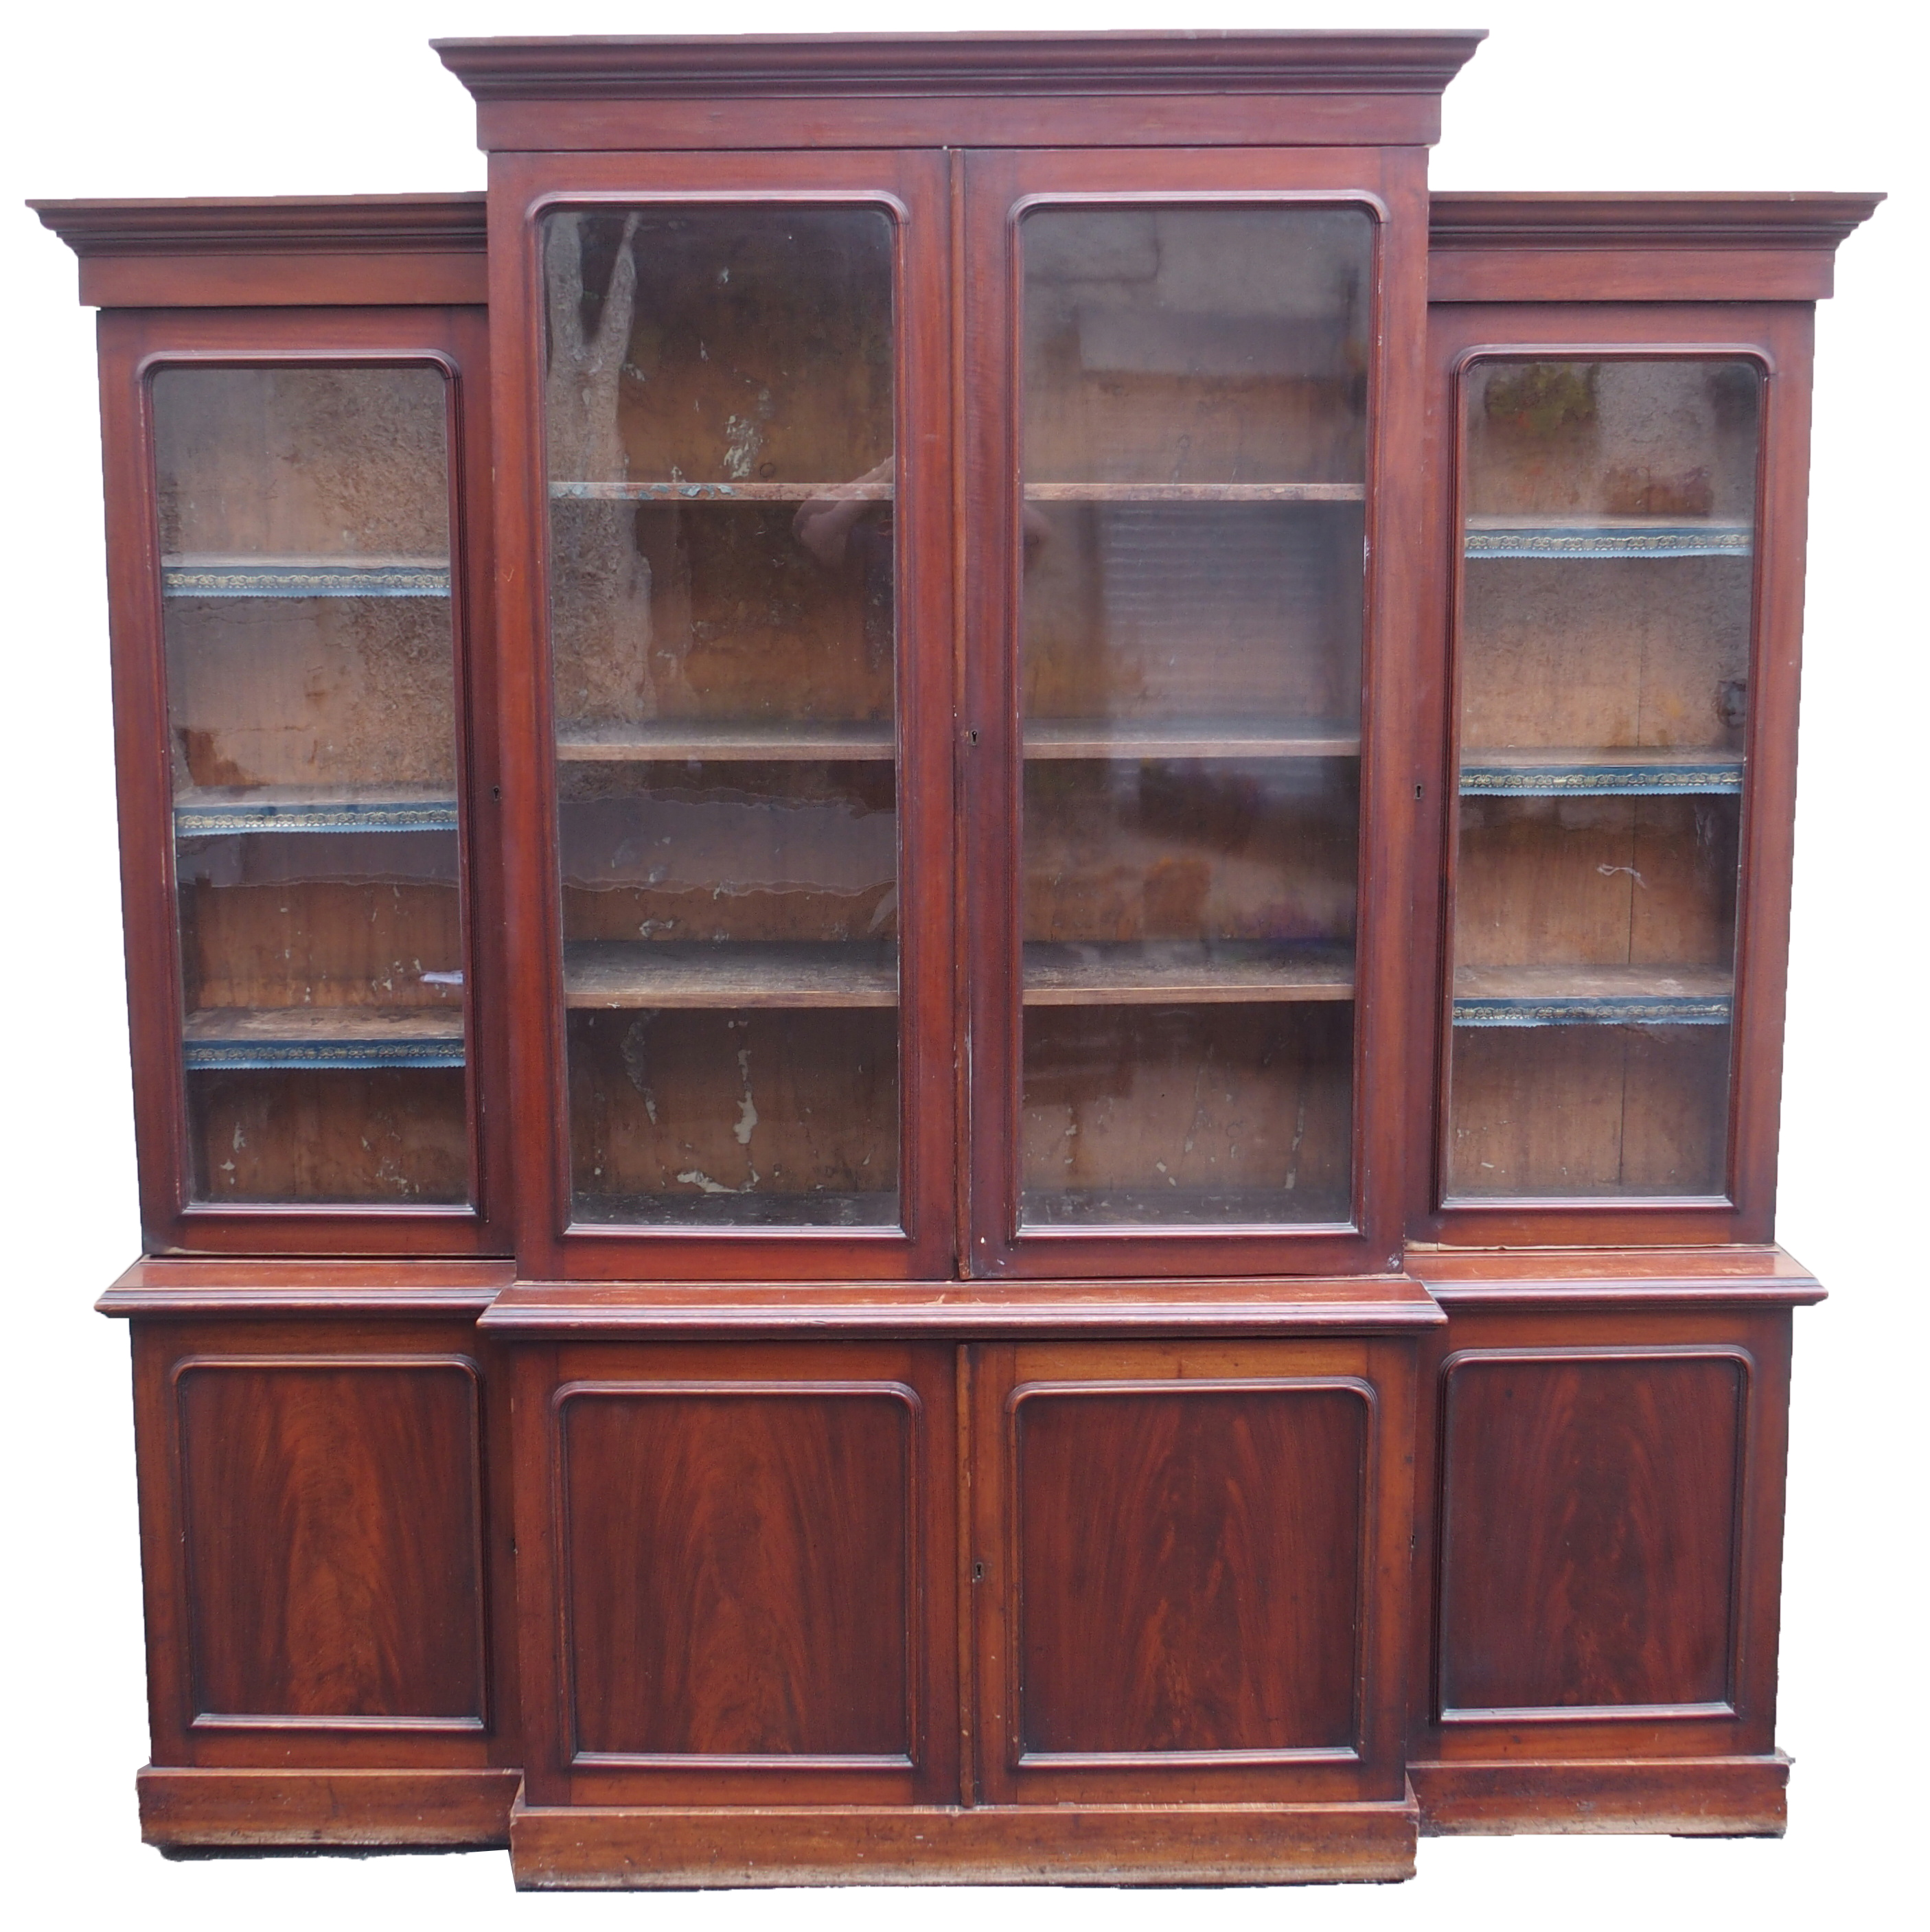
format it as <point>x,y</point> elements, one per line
<point>305,577</point>
<point>824,1209</point>
<point>1195,492</point>
<point>210,813</point>
<point>607,974</point>
<point>1539,996</point>
<point>237,1039</point>
<point>679,492</point>
<point>1176,1206</point>
<point>1068,738</point>
<point>1564,771</point>
<point>1186,973</point>
<point>748,742</point>
<point>1603,538</point>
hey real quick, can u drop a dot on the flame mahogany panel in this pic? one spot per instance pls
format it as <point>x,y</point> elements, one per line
<point>332,1529</point>
<point>738,1569</point>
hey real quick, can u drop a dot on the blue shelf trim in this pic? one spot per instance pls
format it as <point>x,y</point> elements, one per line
<point>1596,1010</point>
<point>1718,778</point>
<point>306,579</point>
<point>1597,541</point>
<point>222,821</point>
<point>254,1056</point>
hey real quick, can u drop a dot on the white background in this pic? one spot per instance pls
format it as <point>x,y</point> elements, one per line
<point>199,98</point>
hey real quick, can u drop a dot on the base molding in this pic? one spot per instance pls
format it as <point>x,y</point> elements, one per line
<point>186,1808</point>
<point>569,1846</point>
<point>1704,1797</point>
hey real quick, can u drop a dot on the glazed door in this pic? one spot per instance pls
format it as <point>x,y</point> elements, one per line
<point>303,712</point>
<point>1186,902</point>
<point>737,803</point>
<point>1624,656</point>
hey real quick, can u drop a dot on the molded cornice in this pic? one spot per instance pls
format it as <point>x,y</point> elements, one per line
<point>1805,222</point>
<point>598,68</point>
<point>363,224</point>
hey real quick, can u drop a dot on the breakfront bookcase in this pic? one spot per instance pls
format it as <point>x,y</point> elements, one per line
<point>956,892</point>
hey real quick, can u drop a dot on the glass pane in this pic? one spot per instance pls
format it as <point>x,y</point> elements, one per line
<point>1194,459</point>
<point>304,519</point>
<point>1603,666</point>
<point>723,626</point>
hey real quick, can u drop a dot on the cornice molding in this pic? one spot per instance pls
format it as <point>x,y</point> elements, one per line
<point>365,224</point>
<point>1755,222</point>
<point>677,67</point>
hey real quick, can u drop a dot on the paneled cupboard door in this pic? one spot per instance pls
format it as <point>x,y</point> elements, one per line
<point>300,620</point>
<point>741,636</point>
<point>1177,381</point>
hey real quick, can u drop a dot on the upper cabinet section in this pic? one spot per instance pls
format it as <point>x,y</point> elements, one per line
<point>663,93</point>
<point>297,496</point>
<point>1621,493</point>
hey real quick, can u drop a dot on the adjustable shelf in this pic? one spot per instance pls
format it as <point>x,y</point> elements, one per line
<point>679,491</point>
<point>1602,538</point>
<point>613,974</point>
<point>746,742</point>
<point>247,1038</point>
<point>1185,973</point>
<point>1070,738</point>
<point>210,814</point>
<point>305,577</point>
<point>1542,996</point>
<point>1195,492</point>
<point>1635,771</point>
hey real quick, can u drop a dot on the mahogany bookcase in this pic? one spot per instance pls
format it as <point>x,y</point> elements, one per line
<point>956,889</point>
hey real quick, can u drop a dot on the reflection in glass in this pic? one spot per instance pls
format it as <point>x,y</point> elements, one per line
<point>304,516</point>
<point>1195,422</point>
<point>718,404</point>
<point>1603,668</point>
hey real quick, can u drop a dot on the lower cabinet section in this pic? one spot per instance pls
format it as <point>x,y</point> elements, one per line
<point>325,1561</point>
<point>1601,1515</point>
<point>1083,1608</point>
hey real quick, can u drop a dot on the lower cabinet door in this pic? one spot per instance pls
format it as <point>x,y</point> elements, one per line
<point>1189,1569</point>
<point>737,1572</point>
<point>325,1547</point>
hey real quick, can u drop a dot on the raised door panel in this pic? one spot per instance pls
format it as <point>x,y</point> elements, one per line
<point>738,1568</point>
<point>330,1518</point>
<point>737,1573</point>
<point>1592,1534</point>
<point>1187,1571</point>
<point>1175,1594</point>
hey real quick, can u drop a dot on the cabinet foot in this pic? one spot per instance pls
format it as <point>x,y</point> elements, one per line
<point>183,1809</point>
<point>1702,1797</point>
<point>562,1847</point>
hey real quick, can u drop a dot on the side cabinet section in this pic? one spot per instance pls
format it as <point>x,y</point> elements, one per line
<point>737,1573</point>
<point>325,1559</point>
<point>1602,1498</point>
<point>1190,1571</point>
